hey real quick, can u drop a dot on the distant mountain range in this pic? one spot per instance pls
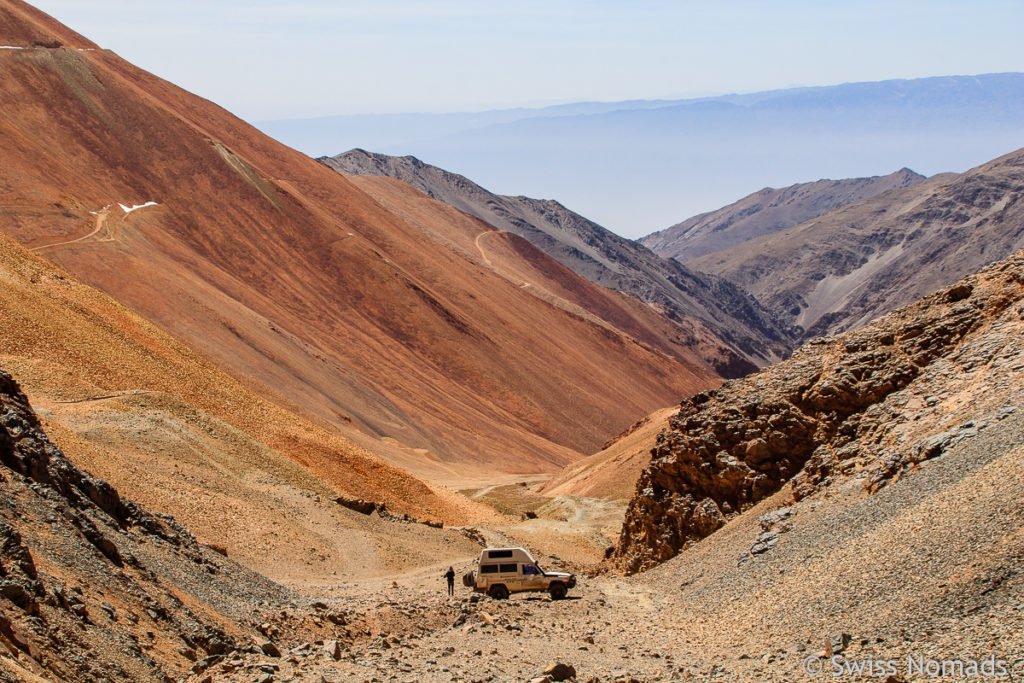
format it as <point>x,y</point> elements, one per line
<point>849,266</point>
<point>636,167</point>
<point>682,294</point>
<point>767,211</point>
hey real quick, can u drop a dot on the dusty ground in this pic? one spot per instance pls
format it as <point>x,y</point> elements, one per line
<point>930,567</point>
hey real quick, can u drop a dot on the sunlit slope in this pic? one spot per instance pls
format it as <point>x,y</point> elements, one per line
<point>290,276</point>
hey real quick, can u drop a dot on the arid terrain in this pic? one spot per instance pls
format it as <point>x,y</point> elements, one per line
<point>899,540</point>
<point>252,409</point>
<point>768,211</point>
<point>297,282</point>
<point>704,306</point>
<point>845,268</point>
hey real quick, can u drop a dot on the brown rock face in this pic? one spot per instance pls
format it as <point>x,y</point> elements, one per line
<point>831,409</point>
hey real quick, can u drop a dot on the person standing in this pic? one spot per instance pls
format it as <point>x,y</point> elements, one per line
<point>450,575</point>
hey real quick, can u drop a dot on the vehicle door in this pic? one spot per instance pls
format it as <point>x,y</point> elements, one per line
<point>532,578</point>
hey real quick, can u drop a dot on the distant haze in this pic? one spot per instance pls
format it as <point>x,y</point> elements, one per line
<point>637,167</point>
<point>266,59</point>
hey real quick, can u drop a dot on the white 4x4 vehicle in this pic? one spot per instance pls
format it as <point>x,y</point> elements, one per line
<point>501,571</point>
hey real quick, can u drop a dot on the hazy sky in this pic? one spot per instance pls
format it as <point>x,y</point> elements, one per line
<point>269,59</point>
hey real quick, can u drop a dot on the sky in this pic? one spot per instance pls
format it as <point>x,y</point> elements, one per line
<point>264,59</point>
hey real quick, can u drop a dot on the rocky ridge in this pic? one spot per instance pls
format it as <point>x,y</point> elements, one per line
<point>599,255</point>
<point>767,211</point>
<point>87,571</point>
<point>845,268</point>
<point>868,404</point>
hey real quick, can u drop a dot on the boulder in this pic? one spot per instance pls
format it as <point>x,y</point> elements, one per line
<point>558,671</point>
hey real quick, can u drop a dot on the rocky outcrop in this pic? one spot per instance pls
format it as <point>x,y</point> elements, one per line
<point>84,571</point>
<point>862,403</point>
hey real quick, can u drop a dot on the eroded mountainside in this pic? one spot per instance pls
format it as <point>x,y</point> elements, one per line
<point>613,471</point>
<point>866,406</point>
<point>94,587</point>
<point>174,432</point>
<point>299,283</point>
<point>599,255</point>
<point>768,211</point>
<point>846,268</point>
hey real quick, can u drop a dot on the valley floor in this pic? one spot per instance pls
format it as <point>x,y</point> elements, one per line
<point>926,573</point>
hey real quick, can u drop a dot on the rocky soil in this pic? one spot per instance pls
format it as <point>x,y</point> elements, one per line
<point>95,588</point>
<point>869,405</point>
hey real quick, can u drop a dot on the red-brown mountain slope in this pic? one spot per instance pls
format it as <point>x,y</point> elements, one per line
<point>290,275</point>
<point>136,407</point>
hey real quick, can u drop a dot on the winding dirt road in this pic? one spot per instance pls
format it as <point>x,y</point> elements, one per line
<point>481,249</point>
<point>101,219</point>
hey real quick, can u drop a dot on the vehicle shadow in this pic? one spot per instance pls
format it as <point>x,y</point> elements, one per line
<point>565,599</point>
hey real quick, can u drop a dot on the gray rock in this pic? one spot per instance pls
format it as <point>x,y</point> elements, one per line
<point>765,542</point>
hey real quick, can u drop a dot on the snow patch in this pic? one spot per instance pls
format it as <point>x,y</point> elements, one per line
<point>10,47</point>
<point>129,209</point>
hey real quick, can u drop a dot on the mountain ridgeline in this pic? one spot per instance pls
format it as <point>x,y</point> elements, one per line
<point>768,211</point>
<point>593,252</point>
<point>302,285</point>
<point>636,167</point>
<point>239,391</point>
<point>842,269</point>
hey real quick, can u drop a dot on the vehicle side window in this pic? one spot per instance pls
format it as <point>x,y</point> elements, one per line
<point>488,569</point>
<point>530,570</point>
<point>498,554</point>
<point>508,568</point>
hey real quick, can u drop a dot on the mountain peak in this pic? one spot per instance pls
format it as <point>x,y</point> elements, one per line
<point>766,211</point>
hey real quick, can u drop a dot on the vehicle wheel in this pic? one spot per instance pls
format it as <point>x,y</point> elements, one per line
<point>558,591</point>
<point>498,592</point>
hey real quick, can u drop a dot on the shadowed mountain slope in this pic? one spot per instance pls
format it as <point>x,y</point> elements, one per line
<point>849,266</point>
<point>862,408</point>
<point>768,211</point>
<point>596,254</point>
<point>287,273</point>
